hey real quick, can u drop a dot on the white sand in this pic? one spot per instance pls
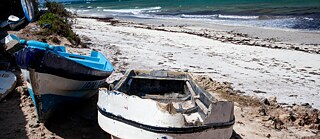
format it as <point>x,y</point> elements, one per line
<point>270,72</point>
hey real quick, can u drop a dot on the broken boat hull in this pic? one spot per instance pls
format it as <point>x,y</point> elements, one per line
<point>126,112</point>
<point>7,83</point>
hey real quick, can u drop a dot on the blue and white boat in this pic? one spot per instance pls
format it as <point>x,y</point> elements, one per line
<point>55,77</point>
<point>28,9</point>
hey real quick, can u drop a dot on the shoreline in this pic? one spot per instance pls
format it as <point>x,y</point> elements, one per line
<point>291,39</point>
<point>276,38</point>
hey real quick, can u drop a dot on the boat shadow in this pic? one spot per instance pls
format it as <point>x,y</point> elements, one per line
<point>77,121</point>
<point>12,119</point>
<point>235,135</point>
<point>22,26</point>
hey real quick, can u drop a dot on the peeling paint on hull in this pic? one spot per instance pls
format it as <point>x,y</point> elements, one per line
<point>126,131</point>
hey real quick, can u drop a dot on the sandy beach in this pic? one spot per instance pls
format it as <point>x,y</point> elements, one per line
<point>272,75</point>
<point>255,70</point>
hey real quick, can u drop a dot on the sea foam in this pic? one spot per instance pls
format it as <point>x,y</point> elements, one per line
<point>134,11</point>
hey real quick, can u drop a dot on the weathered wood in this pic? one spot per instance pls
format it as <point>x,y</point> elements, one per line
<point>12,46</point>
<point>158,78</point>
<point>194,95</point>
<point>202,106</point>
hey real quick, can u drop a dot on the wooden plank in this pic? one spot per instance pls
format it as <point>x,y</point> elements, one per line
<point>196,99</point>
<point>194,94</point>
<point>202,106</point>
<point>12,46</point>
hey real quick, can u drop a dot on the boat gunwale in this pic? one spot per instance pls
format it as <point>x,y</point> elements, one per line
<point>180,130</point>
<point>51,66</point>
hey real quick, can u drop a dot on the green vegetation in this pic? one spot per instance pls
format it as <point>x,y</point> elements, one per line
<point>58,9</point>
<point>57,21</point>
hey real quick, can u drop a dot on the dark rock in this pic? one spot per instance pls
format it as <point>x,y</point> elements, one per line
<point>239,92</point>
<point>278,124</point>
<point>259,92</point>
<point>314,73</point>
<point>85,38</point>
<point>55,40</point>
<point>34,125</point>
<point>283,103</point>
<point>262,111</point>
<point>268,136</point>
<point>265,101</point>
<point>293,95</point>
<point>307,105</point>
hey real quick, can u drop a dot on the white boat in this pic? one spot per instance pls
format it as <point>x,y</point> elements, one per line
<point>15,22</point>
<point>13,18</point>
<point>7,83</point>
<point>163,105</point>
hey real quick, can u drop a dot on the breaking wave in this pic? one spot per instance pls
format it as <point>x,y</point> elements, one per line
<point>220,16</point>
<point>236,17</point>
<point>134,11</point>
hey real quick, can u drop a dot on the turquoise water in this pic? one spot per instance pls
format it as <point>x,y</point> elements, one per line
<point>294,14</point>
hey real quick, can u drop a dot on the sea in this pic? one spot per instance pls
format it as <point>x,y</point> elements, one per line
<point>284,14</point>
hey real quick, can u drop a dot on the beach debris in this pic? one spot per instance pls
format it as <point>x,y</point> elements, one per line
<point>276,115</point>
<point>228,37</point>
<point>259,92</point>
<point>48,26</point>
